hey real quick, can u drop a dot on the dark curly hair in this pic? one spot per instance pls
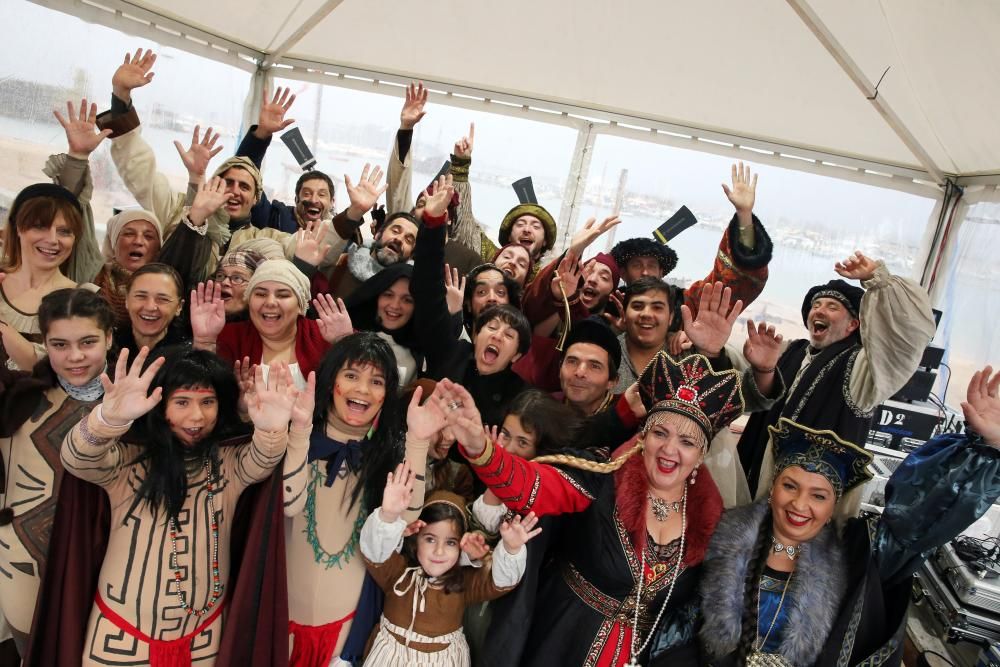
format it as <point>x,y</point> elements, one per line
<point>644,247</point>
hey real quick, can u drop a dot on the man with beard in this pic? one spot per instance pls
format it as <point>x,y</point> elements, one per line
<point>839,374</point>
<point>528,225</point>
<point>314,192</point>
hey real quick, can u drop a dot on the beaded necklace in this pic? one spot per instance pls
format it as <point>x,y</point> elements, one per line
<point>634,646</point>
<point>216,579</point>
<point>321,555</point>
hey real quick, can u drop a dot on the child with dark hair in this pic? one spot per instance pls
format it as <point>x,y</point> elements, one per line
<point>36,408</point>
<point>168,448</point>
<point>427,589</point>
<point>330,484</point>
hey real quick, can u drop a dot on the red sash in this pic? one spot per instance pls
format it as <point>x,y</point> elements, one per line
<point>314,644</point>
<point>162,653</point>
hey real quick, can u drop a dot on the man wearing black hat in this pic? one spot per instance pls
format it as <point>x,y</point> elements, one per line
<point>589,367</point>
<point>741,261</point>
<point>839,374</point>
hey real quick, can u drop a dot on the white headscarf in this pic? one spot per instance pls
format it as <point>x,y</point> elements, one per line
<point>118,222</point>
<point>284,272</point>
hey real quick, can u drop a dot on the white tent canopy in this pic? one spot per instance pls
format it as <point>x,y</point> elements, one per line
<point>786,77</point>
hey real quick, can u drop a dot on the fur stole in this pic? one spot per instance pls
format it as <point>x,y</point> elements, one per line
<point>817,588</point>
<point>704,508</point>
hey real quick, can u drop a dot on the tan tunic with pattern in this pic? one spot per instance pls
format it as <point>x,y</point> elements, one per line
<point>137,579</point>
<point>33,472</point>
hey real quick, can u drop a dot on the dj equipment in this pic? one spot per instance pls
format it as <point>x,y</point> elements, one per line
<point>904,426</point>
<point>960,622</point>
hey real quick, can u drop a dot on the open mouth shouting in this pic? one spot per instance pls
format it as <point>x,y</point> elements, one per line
<point>233,205</point>
<point>666,466</point>
<point>589,296</point>
<point>312,211</point>
<point>490,354</point>
<point>818,328</point>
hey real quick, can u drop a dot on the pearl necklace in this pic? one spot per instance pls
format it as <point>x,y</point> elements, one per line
<point>216,579</point>
<point>634,661</point>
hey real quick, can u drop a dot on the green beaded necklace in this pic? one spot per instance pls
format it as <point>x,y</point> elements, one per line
<point>322,556</point>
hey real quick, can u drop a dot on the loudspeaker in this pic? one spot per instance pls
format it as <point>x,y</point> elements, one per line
<point>917,388</point>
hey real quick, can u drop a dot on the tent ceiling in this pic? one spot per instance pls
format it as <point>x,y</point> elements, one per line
<point>750,69</point>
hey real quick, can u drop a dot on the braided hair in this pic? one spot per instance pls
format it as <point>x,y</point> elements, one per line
<point>590,466</point>
<point>751,590</point>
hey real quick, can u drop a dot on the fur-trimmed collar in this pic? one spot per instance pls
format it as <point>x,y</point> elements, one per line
<point>817,587</point>
<point>704,508</point>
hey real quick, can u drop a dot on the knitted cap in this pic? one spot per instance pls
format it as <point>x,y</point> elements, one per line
<point>284,272</point>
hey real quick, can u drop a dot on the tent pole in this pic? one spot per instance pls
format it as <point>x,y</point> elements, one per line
<point>867,88</point>
<point>576,184</point>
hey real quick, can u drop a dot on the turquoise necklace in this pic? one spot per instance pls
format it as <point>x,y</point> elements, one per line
<point>321,555</point>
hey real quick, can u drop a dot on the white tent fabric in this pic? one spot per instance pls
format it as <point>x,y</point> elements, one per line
<point>755,71</point>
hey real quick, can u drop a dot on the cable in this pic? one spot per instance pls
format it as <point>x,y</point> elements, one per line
<point>947,383</point>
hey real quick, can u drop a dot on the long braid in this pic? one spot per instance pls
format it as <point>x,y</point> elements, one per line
<point>589,466</point>
<point>751,590</point>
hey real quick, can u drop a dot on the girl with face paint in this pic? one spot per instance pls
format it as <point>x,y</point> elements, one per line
<point>173,458</point>
<point>359,436</point>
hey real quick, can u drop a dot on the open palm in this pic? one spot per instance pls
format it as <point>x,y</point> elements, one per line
<point>423,422</point>
<point>82,134</point>
<point>982,405</point>
<point>128,397</point>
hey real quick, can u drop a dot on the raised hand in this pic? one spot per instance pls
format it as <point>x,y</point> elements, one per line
<point>425,421</point>
<point>454,289</point>
<point>459,409</point>
<point>244,378</point>
<point>634,400</point>
<point>364,195</point>
<point>744,190</point>
<point>305,404</point>
<point>517,532</point>
<point>763,346</point>
<point>82,134</point>
<point>133,73</point>
<point>209,199</point>
<point>617,322</point>
<point>567,276</point>
<point>982,405</point>
<point>463,147</point>
<point>333,319</point>
<point>436,205</point>
<point>398,493</point>
<point>413,106</point>
<point>199,153</point>
<point>711,329</point>
<point>128,397</point>
<point>492,432</point>
<point>677,343</point>
<point>272,113</point>
<point>857,267</point>
<point>208,313</point>
<point>474,545</point>
<point>309,246</point>
<point>414,527</point>
<point>590,232</point>
<point>270,405</point>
